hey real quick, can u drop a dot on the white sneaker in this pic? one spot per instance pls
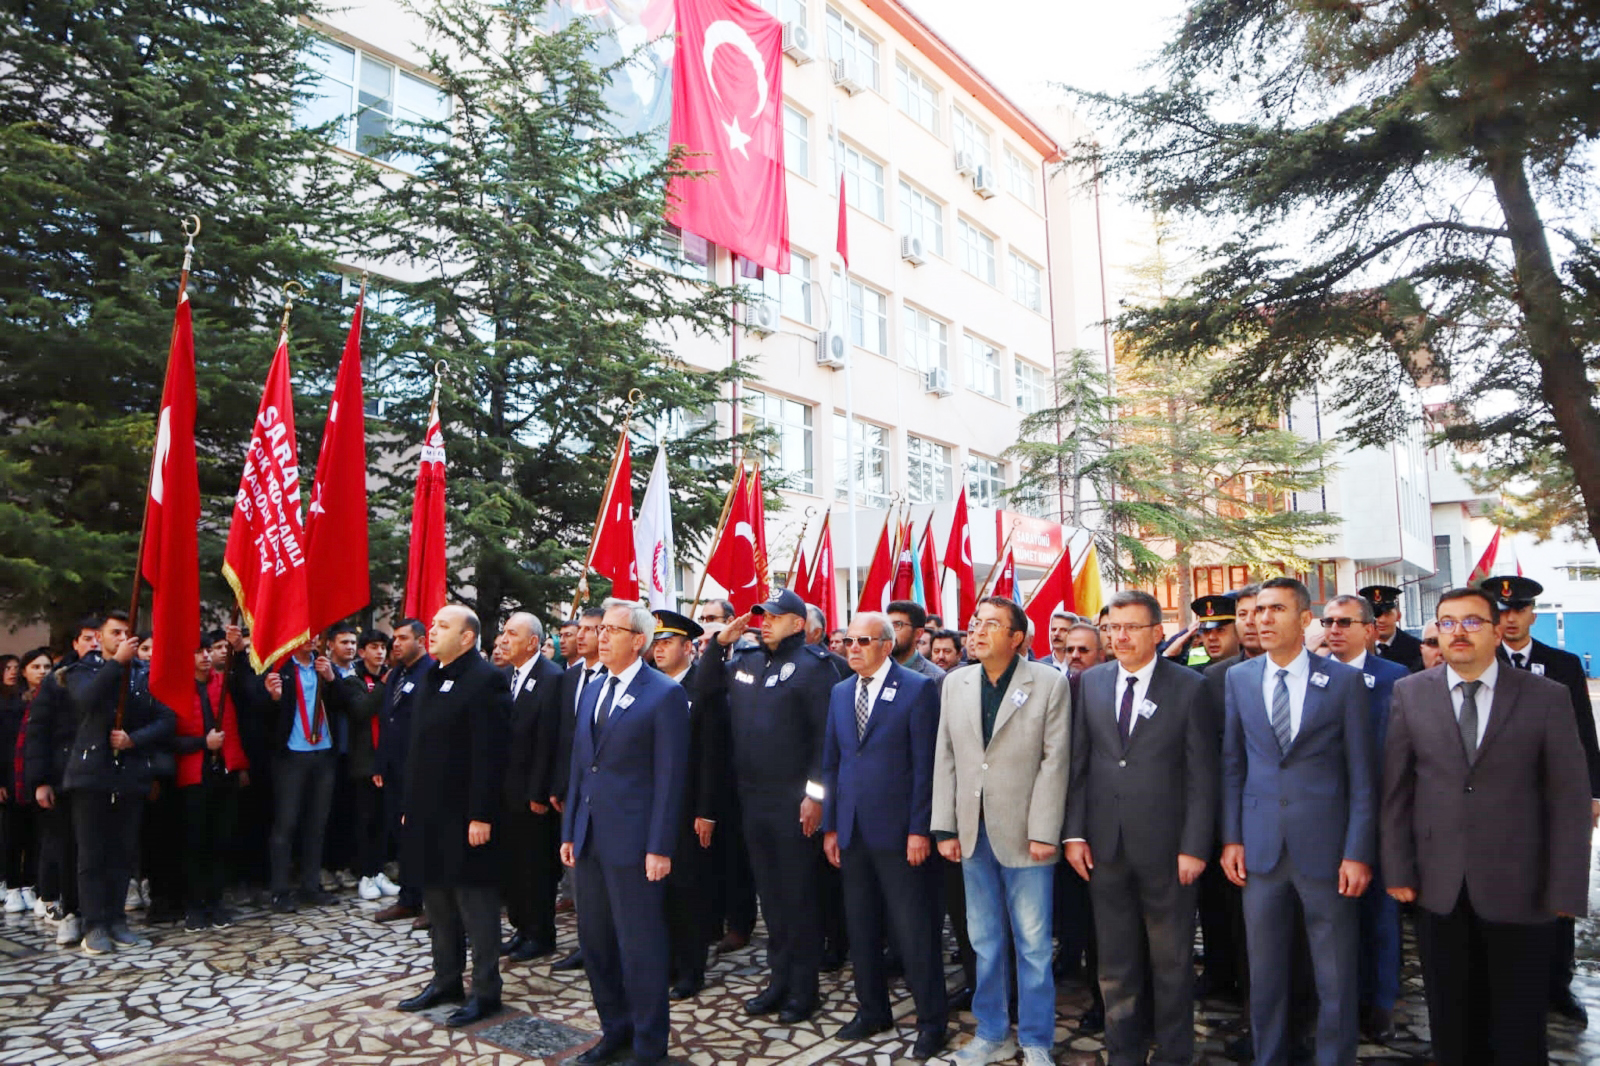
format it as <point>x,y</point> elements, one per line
<point>134,900</point>
<point>1037,1056</point>
<point>386,886</point>
<point>369,889</point>
<point>979,1052</point>
<point>328,881</point>
<point>14,904</point>
<point>29,900</point>
<point>69,932</point>
<point>41,908</point>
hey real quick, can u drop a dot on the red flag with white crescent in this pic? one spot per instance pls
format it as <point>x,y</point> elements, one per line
<point>1054,593</point>
<point>733,562</point>
<point>928,566</point>
<point>905,565</point>
<point>824,592</point>
<point>1005,583</point>
<point>612,552</point>
<point>425,561</point>
<point>727,113</point>
<point>880,574</point>
<point>171,560</point>
<point>336,522</point>
<point>958,557</point>
<point>265,561</point>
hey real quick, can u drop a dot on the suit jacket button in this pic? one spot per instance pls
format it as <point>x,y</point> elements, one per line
<point>1469,788</point>
<point>1122,762</point>
<point>978,792</point>
<point>985,766</point>
<point>1283,803</point>
<point>594,769</point>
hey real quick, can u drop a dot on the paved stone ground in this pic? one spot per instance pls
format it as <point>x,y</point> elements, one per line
<point>319,986</point>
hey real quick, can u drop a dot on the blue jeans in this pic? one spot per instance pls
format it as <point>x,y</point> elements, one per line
<point>1018,897</point>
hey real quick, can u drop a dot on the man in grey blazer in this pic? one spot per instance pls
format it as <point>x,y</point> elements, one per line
<point>999,793</point>
<point>1298,821</point>
<point>1486,829</point>
<point>1141,817</point>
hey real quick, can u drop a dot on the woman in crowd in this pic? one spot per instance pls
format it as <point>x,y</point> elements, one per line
<point>20,679</point>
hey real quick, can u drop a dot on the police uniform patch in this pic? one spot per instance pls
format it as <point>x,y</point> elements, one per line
<point>772,682</point>
<point>787,672</point>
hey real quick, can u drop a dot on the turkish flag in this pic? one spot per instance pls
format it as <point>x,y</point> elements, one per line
<point>843,242</point>
<point>880,575</point>
<point>800,580</point>
<point>171,559</point>
<point>265,560</point>
<point>425,561</point>
<point>824,592</point>
<point>905,566</point>
<point>1053,593</point>
<point>757,508</point>
<point>736,559</point>
<point>612,552</point>
<point>336,523</point>
<point>928,565</point>
<point>1006,583</point>
<point>958,557</point>
<point>727,113</point>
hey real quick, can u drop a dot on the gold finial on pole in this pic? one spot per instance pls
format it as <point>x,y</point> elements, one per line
<point>188,253</point>
<point>291,290</point>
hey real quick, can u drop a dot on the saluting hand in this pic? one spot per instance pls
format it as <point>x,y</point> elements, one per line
<point>734,630</point>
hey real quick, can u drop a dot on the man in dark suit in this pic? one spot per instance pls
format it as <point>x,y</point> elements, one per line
<point>1516,596</point>
<point>586,671</point>
<point>402,689</point>
<point>1350,632</point>
<point>531,829</point>
<point>1486,829</point>
<point>877,765</point>
<point>619,832</point>
<point>460,730</point>
<point>1298,821</point>
<point>1141,818</point>
<point>1394,643</point>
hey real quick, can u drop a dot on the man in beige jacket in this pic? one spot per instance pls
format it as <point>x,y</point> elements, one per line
<point>999,792</point>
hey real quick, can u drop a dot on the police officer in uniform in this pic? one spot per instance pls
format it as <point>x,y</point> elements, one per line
<point>1394,643</point>
<point>777,697</point>
<point>1516,596</point>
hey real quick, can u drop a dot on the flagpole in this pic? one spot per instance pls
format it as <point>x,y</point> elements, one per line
<point>841,324</point>
<point>998,559</point>
<point>800,540</point>
<point>722,524</point>
<point>582,594</point>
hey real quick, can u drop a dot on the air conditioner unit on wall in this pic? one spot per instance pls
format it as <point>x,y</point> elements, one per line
<point>983,183</point>
<point>761,315</point>
<point>830,350</point>
<point>965,163</point>
<point>937,381</point>
<point>846,77</point>
<point>911,250</point>
<point>797,43</point>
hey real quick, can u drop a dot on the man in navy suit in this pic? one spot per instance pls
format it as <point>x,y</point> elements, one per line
<point>630,752</point>
<point>877,764</point>
<point>1351,633</point>
<point>1298,820</point>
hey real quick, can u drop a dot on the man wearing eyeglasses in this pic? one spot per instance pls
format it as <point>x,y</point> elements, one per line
<point>1298,821</point>
<point>999,794</point>
<point>1350,633</point>
<point>1432,653</point>
<point>1486,829</point>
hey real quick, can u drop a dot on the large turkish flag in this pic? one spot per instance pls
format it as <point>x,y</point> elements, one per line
<point>727,112</point>
<point>336,523</point>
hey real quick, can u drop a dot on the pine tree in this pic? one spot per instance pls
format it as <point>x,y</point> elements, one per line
<point>117,122</point>
<point>1389,185</point>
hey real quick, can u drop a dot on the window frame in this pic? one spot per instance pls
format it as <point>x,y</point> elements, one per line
<point>853,43</point>
<point>866,496</point>
<point>908,80</point>
<point>1038,389</point>
<point>1027,279</point>
<point>990,490</point>
<point>940,459</point>
<point>803,138</point>
<point>915,222</point>
<point>350,125</point>
<point>803,478</point>
<point>934,332</point>
<point>975,249</point>
<point>854,163</point>
<point>991,367</point>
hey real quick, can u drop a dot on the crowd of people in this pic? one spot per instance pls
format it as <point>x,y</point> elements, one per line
<point>1289,784</point>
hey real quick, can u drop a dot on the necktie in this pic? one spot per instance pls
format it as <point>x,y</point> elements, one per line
<point>603,712</point>
<point>1280,711</point>
<point>1517,658</point>
<point>1468,718</point>
<point>1125,714</point>
<point>863,710</point>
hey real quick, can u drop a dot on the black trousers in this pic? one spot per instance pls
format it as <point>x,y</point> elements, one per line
<point>106,825</point>
<point>371,833</point>
<point>461,916</point>
<point>405,840</point>
<point>531,870</point>
<point>1219,902</point>
<point>19,831</point>
<point>251,851</point>
<point>1145,919</point>
<point>162,846</point>
<point>1563,957</point>
<point>785,864</point>
<point>885,894</point>
<point>58,855</point>
<point>339,839</point>
<point>835,927</point>
<point>691,922</point>
<point>1486,987</point>
<point>210,812</point>
<point>302,794</point>
<point>733,895</point>
<point>622,929</point>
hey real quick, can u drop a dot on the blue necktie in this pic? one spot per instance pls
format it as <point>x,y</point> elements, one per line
<point>603,713</point>
<point>1280,712</point>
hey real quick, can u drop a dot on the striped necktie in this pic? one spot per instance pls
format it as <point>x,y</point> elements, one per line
<point>1280,712</point>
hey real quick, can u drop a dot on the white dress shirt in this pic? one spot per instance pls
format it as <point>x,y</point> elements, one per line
<point>1485,694</point>
<point>520,677</point>
<point>1359,662</point>
<point>623,680</point>
<point>1299,676</point>
<point>1526,651</point>
<point>1141,687</point>
<point>590,675</point>
<point>874,686</point>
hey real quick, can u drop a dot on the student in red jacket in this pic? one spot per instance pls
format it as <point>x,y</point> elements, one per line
<point>211,770</point>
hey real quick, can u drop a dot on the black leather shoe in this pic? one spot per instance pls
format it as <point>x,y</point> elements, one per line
<point>795,1013</point>
<point>432,996</point>
<point>1092,1022</point>
<point>317,898</point>
<point>766,1002</point>
<point>475,1010</point>
<point>960,999</point>
<point>687,989</point>
<point>929,1043</point>
<point>571,962</point>
<point>1569,1008</point>
<point>283,903</point>
<point>832,960</point>
<point>860,1028</point>
<point>530,949</point>
<point>605,1051</point>
<point>1240,1049</point>
<point>508,946</point>
<point>1377,1025</point>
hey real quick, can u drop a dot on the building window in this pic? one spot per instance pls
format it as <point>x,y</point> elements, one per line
<point>847,42</point>
<point>1022,179</point>
<point>977,251</point>
<point>367,98</point>
<point>986,481</point>
<point>969,137</point>
<point>687,255</point>
<point>1027,283</point>
<point>796,141</point>
<point>922,216</point>
<point>871,464</point>
<point>863,182</point>
<point>928,471</point>
<point>926,347</point>
<point>983,367</point>
<point>1589,571</point>
<point>917,98</point>
<point>1033,388</point>
<point>788,450</point>
<point>791,290</point>
<point>868,314</point>
<point>786,10</point>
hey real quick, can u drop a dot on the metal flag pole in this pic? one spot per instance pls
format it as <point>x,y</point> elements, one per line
<point>842,327</point>
<point>798,543</point>
<point>582,594</point>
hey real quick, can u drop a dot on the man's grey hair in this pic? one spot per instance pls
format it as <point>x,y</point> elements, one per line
<point>879,621</point>
<point>815,618</point>
<point>1246,592</point>
<point>532,622</point>
<point>1360,603</point>
<point>640,620</point>
<point>1087,627</point>
<point>1138,598</point>
<point>1066,616</point>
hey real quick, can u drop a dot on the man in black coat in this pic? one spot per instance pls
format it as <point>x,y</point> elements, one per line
<point>410,663</point>
<point>460,731</point>
<point>585,671</point>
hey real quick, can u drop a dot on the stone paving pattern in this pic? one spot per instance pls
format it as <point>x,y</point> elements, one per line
<point>319,986</point>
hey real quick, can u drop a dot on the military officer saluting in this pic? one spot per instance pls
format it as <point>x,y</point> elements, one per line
<point>777,695</point>
<point>1394,643</point>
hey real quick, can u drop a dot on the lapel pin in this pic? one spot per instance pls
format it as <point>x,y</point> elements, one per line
<point>1320,680</point>
<point>1146,708</point>
<point>1371,681</point>
<point>887,695</point>
<point>1019,697</point>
